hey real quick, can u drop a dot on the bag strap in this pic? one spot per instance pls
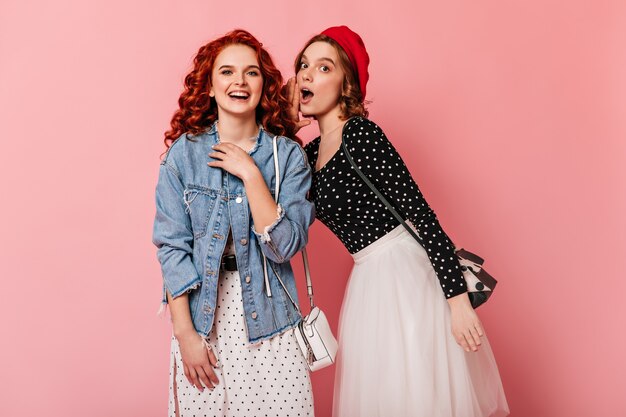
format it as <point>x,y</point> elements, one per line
<point>305,258</point>
<point>482,275</point>
<point>268,290</point>
<point>378,193</point>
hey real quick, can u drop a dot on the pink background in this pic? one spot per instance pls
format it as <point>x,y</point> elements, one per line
<point>510,114</point>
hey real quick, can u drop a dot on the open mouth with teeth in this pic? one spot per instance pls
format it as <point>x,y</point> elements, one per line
<point>239,95</point>
<point>305,95</point>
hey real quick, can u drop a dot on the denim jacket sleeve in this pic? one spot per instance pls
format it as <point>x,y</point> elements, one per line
<point>289,233</point>
<point>172,233</point>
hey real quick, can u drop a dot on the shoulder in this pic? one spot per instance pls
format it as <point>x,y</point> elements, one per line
<point>184,145</point>
<point>361,124</point>
<point>185,151</point>
<point>361,133</point>
<point>290,151</point>
<point>312,148</point>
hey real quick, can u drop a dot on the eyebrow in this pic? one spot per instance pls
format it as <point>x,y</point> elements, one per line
<point>321,59</point>
<point>247,68</point>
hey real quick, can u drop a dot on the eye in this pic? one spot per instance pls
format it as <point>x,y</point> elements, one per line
<point>226,72</point>
<point>324,68</point>
<point>304,65</point>
<point>253,73</point>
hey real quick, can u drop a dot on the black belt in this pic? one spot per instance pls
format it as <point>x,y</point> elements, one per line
<point>229,263</point>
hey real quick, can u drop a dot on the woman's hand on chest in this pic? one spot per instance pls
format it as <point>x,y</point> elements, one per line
<point>234,160</point>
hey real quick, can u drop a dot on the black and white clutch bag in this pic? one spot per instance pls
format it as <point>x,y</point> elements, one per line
<point>480,284</point>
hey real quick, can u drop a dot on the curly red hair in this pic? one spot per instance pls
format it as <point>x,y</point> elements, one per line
<point>198,111</point>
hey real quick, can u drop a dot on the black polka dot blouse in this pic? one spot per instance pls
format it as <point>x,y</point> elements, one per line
<point>346,205</point>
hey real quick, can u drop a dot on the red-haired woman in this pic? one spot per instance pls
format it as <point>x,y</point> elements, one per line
<point>225,239</point>
<point>405,307</point>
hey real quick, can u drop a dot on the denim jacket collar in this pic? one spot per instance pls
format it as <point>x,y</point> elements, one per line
<point>214,135</point>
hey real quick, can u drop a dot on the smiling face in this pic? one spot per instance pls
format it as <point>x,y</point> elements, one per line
<point>236,81</point>
<point>320,79</point>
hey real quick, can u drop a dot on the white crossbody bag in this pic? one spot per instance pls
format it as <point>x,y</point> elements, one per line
<point>316,340</point>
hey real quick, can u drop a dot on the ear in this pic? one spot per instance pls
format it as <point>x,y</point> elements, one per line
<point>344,89</point>
<point>211,92</point>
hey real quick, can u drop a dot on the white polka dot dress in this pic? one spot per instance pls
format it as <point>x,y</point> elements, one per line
<point>269,378</point>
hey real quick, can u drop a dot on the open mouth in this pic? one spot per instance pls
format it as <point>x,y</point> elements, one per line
<point>239,95</point>
<point>305,95</point>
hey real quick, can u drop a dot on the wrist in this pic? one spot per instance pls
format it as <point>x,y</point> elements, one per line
<point>181,332</point>
<point>251,175</point>
<point>459,300</point>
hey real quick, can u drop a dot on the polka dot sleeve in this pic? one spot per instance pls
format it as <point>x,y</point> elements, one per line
<point>379,160</point>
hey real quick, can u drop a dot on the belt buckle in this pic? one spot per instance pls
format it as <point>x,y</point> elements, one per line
<point>229,260</point>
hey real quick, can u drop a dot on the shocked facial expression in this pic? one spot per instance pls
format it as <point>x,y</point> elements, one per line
<point>236,81</point>
<point>320,79</point>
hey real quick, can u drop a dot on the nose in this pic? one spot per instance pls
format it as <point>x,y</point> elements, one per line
<point>305,75</point>
<point>240,79</point>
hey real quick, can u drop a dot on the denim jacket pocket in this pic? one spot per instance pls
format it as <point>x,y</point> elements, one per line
<point>199,202</point>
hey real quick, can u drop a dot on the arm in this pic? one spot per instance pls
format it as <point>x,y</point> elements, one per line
<point>282,229</point>
<point>382,164</point>
<point>173,238</point>
<point>236,161</point>
<point>380,161</point>
<point>288,233</point>
<point>197,358</point>
<point>262,205</point>
<point>172,233</point>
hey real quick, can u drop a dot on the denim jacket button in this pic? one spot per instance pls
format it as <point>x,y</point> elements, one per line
<point>238,199</point>
<point>248,279</point>
<point>244,242</point>
<point>207,309</point>
<point>254,315</point>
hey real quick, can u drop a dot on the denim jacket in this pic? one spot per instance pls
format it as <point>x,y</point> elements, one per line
<point>196,205</point>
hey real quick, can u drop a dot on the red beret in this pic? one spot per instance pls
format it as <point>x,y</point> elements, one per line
<point>355,49</point>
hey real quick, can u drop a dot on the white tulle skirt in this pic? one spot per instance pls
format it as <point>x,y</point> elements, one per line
<point>397,356</point>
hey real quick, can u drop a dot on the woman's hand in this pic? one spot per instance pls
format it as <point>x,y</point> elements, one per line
<point>466,326</point>
<point>233,159</point>
<point>198,360</point>
<point>293,96</point>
